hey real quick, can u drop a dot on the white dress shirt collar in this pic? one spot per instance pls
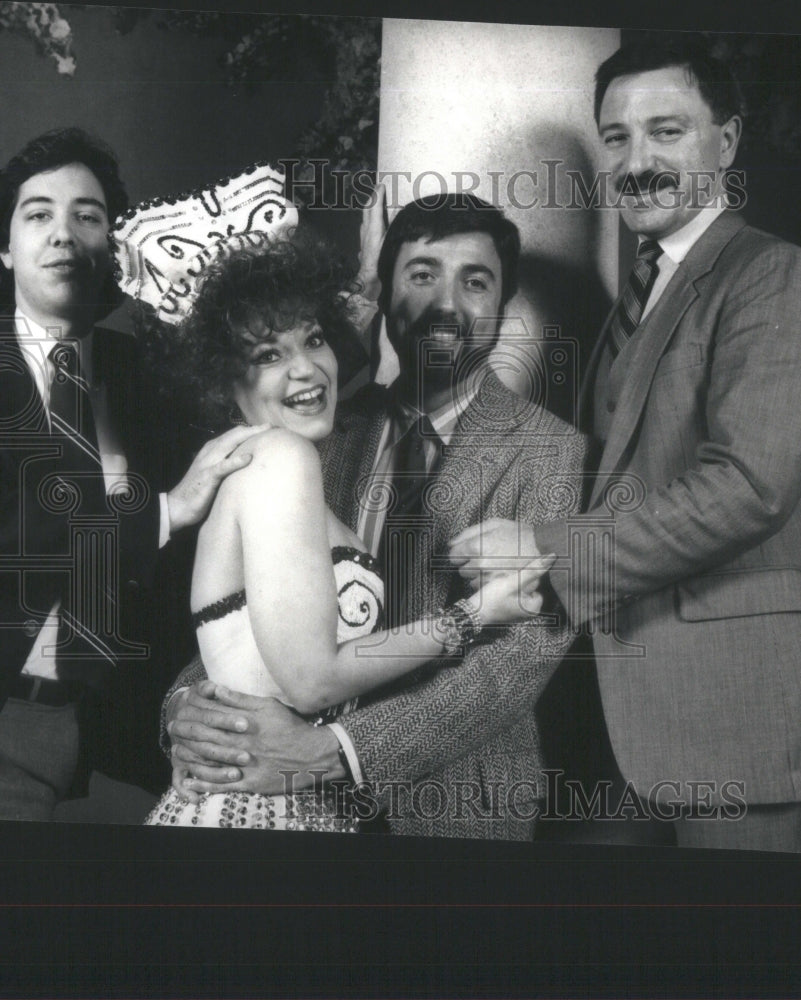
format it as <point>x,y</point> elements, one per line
<point>36,342</point>
<point>677,245</point>
<point>444,418</point>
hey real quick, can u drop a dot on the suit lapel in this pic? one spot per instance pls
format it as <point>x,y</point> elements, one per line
<point>364,440</point>
<point>477,442</point>
<point>495,426</point>
<point>347,456</point>
<point>659,328</point>
<point>21,407</point>
<point>114,367</point>
<point>143,424</point>
<point>585,407</point>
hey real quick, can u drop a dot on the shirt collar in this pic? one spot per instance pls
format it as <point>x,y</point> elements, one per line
<point>36,341</point>
<point>677,245</point>
<point>445,418</point>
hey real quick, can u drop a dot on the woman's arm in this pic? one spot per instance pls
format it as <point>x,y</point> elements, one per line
<point>291,592</point>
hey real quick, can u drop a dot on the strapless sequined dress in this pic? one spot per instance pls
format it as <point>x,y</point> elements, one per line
<point>231,657</point>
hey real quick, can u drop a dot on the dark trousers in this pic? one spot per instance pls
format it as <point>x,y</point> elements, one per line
<point>38,757</point>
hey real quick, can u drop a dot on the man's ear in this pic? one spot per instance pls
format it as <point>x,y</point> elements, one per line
<point>730,133</point>
<point>5,256</point>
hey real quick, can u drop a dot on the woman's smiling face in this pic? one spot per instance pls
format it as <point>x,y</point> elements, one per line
<point>291,381</point>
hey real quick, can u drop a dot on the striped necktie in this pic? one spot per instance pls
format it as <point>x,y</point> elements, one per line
<point>70,407</point>
<point>635,295</point>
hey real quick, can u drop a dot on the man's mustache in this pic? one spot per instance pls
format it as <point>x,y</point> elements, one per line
<point>427,324</point>
<point>649,182</point>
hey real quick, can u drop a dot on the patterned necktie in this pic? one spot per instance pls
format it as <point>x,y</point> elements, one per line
<point>635,295</point>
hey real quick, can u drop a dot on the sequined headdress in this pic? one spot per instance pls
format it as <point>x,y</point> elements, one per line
<point>163,246</point>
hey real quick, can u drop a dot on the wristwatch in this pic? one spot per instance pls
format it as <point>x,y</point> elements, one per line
<point>457,626</point>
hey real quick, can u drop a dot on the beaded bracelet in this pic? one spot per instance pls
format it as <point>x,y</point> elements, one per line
<point>459,626</point>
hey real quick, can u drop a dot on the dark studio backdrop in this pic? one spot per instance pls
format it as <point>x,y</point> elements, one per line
<point>186,98</point>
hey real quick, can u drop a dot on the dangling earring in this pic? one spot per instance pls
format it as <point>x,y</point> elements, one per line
<point>235,416</point>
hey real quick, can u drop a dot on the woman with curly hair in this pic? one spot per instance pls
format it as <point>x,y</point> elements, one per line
<point>285,599</point>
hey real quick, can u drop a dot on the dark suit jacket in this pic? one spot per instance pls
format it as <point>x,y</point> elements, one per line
<point>468,725</point>
<point>700,678</point>
<point>35,532</point>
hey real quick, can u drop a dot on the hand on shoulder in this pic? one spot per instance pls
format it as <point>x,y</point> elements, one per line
<point>189,502</point>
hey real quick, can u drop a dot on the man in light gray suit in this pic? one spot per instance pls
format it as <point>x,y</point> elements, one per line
<point>693,390</point>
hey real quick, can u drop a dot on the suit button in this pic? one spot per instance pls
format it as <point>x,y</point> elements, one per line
<point>133,586</point>
<point>31,627</point>
<point>610,405</point>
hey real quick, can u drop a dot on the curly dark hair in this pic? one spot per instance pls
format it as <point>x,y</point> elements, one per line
<point>50,151</point>
<point>250,294</point>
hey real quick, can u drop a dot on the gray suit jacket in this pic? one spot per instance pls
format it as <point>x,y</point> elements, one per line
<point>464,729</point>
<point>699,676</point>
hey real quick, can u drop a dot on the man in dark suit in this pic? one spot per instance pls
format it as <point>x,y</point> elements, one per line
<point>454,751</point>
<point>81,522</point>
<point>693,392</point>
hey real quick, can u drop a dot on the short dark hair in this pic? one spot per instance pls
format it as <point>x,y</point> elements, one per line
<point>712,75</point>
<point>294,278</point>
<point>439,216</point>
<point>50,151</point>
<point>56,149</point>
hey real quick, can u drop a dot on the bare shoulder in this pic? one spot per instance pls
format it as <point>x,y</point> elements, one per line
<point>279,456</point>
<point>277,445</point>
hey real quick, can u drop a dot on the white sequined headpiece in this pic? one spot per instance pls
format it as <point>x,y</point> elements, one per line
<point>163,246</point>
